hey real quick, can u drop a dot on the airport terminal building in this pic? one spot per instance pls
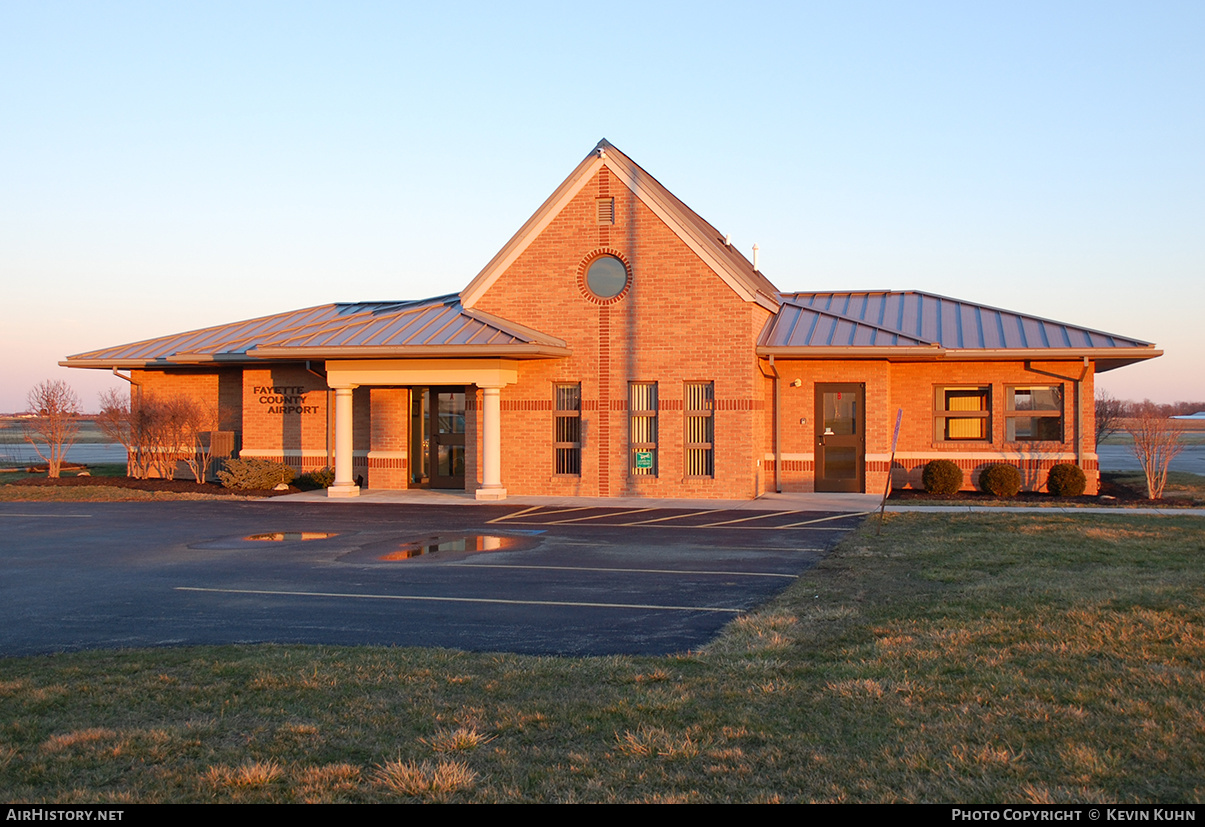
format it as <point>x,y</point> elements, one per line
<point>617,345</point>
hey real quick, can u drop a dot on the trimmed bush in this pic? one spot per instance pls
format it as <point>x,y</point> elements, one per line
<point>248,474</point>
<point>314,480</point>
<point>1000,479</point>
<point>1066,480</point>
<point>942,476</point>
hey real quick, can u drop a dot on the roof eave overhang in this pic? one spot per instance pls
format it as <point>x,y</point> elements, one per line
<point>852,352</point>
<point>1106,358</point>
<point>530,351</point>
<point>173,361</point>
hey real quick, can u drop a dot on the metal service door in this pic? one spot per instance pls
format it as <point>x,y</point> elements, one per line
<point>840,438</point>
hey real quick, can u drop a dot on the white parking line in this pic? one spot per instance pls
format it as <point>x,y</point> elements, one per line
<point>45,515</point>
<point>760,516</point>
<point>804,526</point>
<point>426,598</point>
<point>630,571</point>
<point>811,523</point>
<point>600,516</point>
<point>505,517</point>
<point>673,517</point>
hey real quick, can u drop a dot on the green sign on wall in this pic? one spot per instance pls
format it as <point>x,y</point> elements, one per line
<point>644,459</point>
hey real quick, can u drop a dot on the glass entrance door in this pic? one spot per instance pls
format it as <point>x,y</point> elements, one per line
<point>437,437</point>
<point>840,438</point>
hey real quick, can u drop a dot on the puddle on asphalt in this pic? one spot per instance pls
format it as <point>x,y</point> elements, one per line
<point>434,545</point>
<point>282,536</point>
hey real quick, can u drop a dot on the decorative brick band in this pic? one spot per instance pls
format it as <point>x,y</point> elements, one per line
<point>526,404</point>
<point>388,462</point>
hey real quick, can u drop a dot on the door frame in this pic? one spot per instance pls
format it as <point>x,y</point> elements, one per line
<point>856,440</point>
<point>425,420</point>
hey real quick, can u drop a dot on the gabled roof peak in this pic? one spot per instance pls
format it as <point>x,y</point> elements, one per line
<point>701,237</point>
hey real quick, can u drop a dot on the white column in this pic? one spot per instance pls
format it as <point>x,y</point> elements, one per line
<point>345,484</point>
<point>491,445</point>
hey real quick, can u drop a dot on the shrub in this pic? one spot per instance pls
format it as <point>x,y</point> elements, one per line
<point>1000,479</point>
<point>941,476</point>
<point>314,480</point>
<point>1066,480</point>
<point>247,474</point>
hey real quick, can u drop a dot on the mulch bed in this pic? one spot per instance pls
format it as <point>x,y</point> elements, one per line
<point>1110,494</point>
<point>176,486</point>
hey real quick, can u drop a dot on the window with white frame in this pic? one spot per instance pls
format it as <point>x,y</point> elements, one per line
<point>963,414</point>
<point>700,429</point>
<point>1034,414</point>
<point>568,437</point>
<point>642,429</point>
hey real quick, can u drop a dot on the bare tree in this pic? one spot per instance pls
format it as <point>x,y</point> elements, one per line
<point>128,425</point>
<point>158,432</point>
<point>55,423</point>
<point>1156,444</point>
<point>1110,411</point>
<point>188,423</point>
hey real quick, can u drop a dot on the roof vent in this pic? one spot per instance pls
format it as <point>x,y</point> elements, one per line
<point>755,267</point>
<point>606,210</point>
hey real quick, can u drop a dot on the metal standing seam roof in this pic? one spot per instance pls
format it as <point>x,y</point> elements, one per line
<point>913,323</point>
<point>427,327</point>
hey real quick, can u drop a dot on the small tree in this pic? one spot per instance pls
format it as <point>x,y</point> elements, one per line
<point>1110,415</point>
<point>128,425</point>
<point>191,421</point>
<point>56,410</point>
<point>1156,444</point>
<point>157,432</point>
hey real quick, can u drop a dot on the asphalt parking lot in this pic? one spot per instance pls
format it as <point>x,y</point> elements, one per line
<point>532,579</point>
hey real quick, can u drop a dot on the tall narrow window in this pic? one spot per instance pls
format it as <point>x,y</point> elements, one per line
<point>642,428</point>
<point>700,429</point>
<point>569,429</point>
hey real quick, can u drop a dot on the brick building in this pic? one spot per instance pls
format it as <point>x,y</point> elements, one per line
<point>619,346</point>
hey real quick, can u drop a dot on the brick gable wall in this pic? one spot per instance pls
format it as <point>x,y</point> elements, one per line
<point>677,322</point>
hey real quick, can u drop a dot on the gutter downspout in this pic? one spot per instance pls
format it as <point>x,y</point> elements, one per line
<point>330,461</point>
<point>1079,416</point>
<point>133,384</point>
<point>775,429</point>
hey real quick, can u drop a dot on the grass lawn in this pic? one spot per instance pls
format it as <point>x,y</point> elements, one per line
<point>965,658</point>
<point>1182,486</point>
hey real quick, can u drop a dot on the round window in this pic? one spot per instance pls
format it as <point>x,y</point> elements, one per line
<point>606,277</point>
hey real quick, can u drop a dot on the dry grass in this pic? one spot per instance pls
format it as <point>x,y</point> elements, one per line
<point>99,494</point>
<point>984,658</point>
<point>461,739</point>
<point>647,742</point>
<point>431,782</point>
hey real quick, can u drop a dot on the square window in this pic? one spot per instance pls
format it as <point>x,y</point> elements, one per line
<point>1034,414</point>
<point>963,414</point>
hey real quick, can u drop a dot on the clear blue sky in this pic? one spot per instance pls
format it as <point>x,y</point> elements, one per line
<point>166,166</point>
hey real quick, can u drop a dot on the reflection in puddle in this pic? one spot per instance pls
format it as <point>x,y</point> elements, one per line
<point>281,536</point>
<point>434,545</point>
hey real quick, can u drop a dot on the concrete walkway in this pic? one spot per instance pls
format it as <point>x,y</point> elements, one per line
<point>843,503</point>
<point>847,503</point>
